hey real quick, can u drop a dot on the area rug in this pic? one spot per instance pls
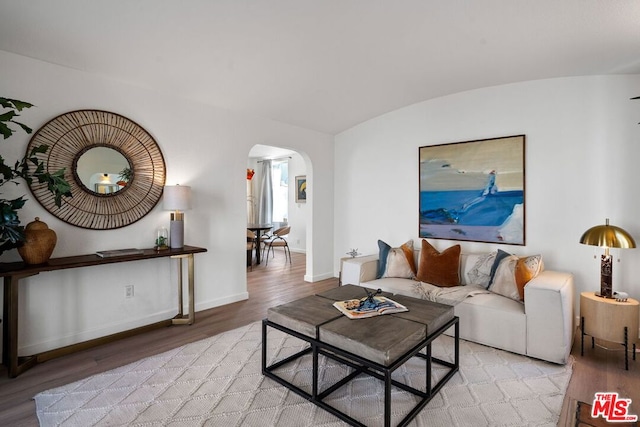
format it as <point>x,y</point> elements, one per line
<point>218,382</point>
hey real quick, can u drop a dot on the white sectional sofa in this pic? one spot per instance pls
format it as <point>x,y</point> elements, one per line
<point>541,327</point>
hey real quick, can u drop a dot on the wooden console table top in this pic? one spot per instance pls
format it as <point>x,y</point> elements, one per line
<point>19,268</point>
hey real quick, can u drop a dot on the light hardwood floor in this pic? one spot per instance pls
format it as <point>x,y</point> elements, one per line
<point>599,370</point>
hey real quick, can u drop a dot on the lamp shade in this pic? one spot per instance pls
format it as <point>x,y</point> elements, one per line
<point>608,236</point>
<point>176,198</point>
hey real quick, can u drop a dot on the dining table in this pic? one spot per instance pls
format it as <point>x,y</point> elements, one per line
<point>259,229</point>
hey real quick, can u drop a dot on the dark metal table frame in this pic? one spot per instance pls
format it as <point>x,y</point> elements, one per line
<point>364,366</point>
<point>625,344</point>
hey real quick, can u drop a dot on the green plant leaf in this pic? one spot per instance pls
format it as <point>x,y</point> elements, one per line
<point>39,149</point>
<point>21,105</point>
<point>14,103</point>
<point>5,130</point>
<point>24,127</point>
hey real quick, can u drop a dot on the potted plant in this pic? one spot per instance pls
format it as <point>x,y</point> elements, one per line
<point>28,168</point>
<point>125,176</point>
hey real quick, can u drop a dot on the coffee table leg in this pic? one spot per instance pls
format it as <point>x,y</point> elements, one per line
<point>314,381</point>
<point>428,390</point>
<point>387,398</point>
<point>264,346</point>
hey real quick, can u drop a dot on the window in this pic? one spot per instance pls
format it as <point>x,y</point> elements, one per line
<point>280,179</point>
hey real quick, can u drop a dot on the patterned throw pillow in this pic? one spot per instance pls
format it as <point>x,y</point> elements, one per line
<point>439,268</point>
<point>480,273</point>
<point>513,274</point>
<point>396,262</point>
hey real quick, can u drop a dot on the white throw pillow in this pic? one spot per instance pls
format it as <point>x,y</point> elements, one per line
<point>504,281</point>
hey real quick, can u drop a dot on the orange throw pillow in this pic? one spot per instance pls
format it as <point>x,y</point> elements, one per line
<point>439,268</point>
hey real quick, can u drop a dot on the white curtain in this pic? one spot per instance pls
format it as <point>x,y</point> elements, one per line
<point>265,206</point>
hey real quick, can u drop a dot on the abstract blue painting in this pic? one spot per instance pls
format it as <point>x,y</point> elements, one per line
<point>474,191</point>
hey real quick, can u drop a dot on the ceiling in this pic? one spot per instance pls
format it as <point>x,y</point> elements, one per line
<point>325,65</point>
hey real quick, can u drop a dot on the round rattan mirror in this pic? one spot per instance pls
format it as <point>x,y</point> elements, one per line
<point>70,137</point>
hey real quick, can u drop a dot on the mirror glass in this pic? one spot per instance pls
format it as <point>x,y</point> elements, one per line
<point>103,170</point>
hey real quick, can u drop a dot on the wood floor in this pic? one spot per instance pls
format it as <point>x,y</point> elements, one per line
<point>598,370</point>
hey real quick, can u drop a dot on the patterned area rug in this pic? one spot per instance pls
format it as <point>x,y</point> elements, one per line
<point>218,382</point>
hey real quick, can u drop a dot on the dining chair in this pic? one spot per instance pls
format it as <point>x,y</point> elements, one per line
<point>277,240</point>
<point>251,246</point>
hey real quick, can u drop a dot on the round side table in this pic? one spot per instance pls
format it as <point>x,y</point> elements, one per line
<point>609,320</point>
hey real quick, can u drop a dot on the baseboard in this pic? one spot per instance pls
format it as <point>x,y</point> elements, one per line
<point>91,334</point>
<point>318,277</point>
<point>205,305</point>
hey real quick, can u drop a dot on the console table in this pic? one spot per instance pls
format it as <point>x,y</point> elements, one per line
<point>14,271</point>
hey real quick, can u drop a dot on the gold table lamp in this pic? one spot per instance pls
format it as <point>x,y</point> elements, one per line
<point>607,236</point>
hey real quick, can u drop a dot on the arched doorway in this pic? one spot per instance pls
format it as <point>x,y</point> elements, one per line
<point>286,167</point>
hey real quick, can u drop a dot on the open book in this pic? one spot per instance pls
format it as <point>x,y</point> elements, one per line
<point>361,309</point>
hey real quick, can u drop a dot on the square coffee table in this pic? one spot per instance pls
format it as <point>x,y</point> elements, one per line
<point>374,346</point>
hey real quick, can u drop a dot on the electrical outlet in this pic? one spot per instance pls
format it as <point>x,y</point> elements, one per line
<point>128,291</point>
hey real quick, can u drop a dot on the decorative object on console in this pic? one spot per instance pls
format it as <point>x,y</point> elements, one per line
<point>396,262</point>
<point>439,268</point>
<point>473,191</point>
<point>607,236</point>
<point>74,138</point>
<point>162,239</point>
<point>38,244</point>
<point>177,198</point>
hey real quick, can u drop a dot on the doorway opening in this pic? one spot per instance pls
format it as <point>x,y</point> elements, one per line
<point>273,201</point>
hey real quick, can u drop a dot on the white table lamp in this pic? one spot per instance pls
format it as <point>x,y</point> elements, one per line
<point>176,198</point>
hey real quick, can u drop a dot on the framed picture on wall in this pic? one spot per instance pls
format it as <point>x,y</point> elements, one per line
<point>301,189</point>
<point>473,190</point>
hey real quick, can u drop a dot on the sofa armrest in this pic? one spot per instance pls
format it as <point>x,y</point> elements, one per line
<point>359,269</point>
<point>549,301</point>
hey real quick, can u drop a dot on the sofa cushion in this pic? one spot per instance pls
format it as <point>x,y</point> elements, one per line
<point>513,273</point>
<point>439,268</point>
<point>396,262</point>
<point>496,262</point>
<point>475,268</point>
<point>495,321</point>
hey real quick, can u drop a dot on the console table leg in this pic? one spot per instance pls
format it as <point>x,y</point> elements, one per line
<point>180,296</point>
<point>626,349</point>
<point>180,319</point>
<point>192,299</point>
<point>10,326</point>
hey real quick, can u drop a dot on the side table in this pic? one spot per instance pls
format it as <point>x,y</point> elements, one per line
<point>609,320</point>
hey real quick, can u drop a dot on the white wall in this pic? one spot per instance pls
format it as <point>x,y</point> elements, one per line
<point>582,151</point>
<point>204,147</point>
<point>298,212</point>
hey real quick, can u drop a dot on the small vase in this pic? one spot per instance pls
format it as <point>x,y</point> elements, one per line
<point>38,244</point>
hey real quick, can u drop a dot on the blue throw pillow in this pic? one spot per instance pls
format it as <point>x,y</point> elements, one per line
<point>382,258</point>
